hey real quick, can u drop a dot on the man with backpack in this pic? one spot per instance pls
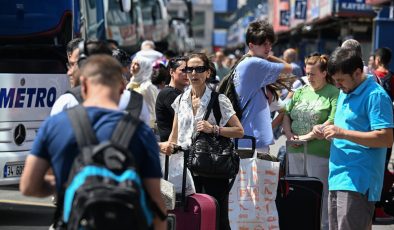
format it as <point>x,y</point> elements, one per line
<point>256,70</point>
<point>116,160</point>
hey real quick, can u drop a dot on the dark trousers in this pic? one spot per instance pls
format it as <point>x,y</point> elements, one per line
<point>219,189</point>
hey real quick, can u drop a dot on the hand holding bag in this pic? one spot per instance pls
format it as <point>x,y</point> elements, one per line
<point>210,155</point>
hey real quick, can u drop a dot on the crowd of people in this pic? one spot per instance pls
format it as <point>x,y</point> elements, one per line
<point>340,107</point>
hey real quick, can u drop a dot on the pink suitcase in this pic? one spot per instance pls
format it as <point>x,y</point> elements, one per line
<point>197,211</point>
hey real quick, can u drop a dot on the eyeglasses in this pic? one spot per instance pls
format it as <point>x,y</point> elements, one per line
<point>198,69</point>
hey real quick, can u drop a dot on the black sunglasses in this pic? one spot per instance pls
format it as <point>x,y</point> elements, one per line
<point>198,69</point>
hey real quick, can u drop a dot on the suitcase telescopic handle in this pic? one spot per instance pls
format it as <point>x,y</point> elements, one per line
<point>246,137</point>
<point>304,144</point>
<point>178,149</point>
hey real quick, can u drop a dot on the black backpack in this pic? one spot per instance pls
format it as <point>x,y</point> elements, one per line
<point>385,82</point>
<point>227,88</point>
<point>104,189</point>
<point>134,106</point>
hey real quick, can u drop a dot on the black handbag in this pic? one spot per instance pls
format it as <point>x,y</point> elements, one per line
<point>213,156</point>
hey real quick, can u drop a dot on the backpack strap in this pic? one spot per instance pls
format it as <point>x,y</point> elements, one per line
<point>82,127</point>
<point>134,107</point>
<point>122,135</point>
<point>76,92</point>
<point>125,130</point>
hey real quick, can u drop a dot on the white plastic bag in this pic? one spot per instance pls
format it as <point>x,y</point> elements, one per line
<point>252,197</point>
<point>175,173</point>
<point>167,190</point>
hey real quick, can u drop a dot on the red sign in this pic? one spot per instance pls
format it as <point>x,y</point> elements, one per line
<point>281,15</point>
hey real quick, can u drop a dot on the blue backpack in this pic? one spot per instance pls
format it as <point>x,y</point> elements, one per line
<point>104,189</point>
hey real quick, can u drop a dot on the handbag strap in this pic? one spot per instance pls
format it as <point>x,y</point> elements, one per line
<point>214,97</point>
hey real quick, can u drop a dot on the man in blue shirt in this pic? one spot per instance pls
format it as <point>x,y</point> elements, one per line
<point>361,133</point>
<point>251,76</point>
<point>55,145</point>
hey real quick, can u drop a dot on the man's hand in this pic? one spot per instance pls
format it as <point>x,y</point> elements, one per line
<point>332,131</point>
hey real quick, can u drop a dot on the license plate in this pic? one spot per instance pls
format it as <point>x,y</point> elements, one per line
<point>13,169</point>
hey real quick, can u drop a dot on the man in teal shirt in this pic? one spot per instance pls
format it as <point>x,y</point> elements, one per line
<point>361,133</point>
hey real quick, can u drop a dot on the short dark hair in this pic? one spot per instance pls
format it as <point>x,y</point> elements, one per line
<point>160,75</point>
<point>384,54</point>
<point>92,47</point>
<point>104,69</point>
<point>346,61</point>
<point>258,32</point>
<point>72,45</point>
<point>174,63</point>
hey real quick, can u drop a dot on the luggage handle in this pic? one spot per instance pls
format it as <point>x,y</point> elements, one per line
<point>176,150</point>
<point>246,137</point>
<point>295,142</point>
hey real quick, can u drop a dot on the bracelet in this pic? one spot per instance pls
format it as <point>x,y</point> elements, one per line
<point>219,130</point>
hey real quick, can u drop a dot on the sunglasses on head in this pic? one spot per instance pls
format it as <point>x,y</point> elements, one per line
<point>198,69</point>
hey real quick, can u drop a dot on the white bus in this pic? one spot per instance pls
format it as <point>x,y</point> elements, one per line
<point>33,36</point>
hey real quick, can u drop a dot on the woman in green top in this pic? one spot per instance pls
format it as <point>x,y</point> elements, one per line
<point>312,107</point>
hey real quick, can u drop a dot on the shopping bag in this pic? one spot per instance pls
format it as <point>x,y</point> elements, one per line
<point>175,173</point>
<point>252,197</point>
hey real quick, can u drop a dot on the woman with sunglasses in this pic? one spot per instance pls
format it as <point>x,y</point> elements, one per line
<point>310,109</point>
<point>190,108</point>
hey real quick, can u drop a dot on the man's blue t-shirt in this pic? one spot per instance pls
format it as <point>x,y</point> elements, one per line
<point>56,143</point>
<point>251,75</point>
<point>354,167</point>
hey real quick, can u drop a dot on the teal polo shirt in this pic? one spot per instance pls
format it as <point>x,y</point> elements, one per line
<point>354,167</point>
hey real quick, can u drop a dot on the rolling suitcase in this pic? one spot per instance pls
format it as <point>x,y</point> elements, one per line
<point>299,198</point>
<point>197,211</point>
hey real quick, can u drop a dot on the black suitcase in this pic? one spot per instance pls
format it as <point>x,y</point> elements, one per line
<point>299,199</point>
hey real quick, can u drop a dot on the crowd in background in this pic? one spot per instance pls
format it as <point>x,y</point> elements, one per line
<point>277,97</point>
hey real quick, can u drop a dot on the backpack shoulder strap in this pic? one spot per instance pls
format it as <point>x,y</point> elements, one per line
<point>216,108</point>
<point>134,106</point>
<point>225,83</point>
<point>82,127</point>
<point>125,130</point>
<point>76,92</point>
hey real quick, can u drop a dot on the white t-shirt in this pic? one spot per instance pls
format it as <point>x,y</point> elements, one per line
<point>68,100</point>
